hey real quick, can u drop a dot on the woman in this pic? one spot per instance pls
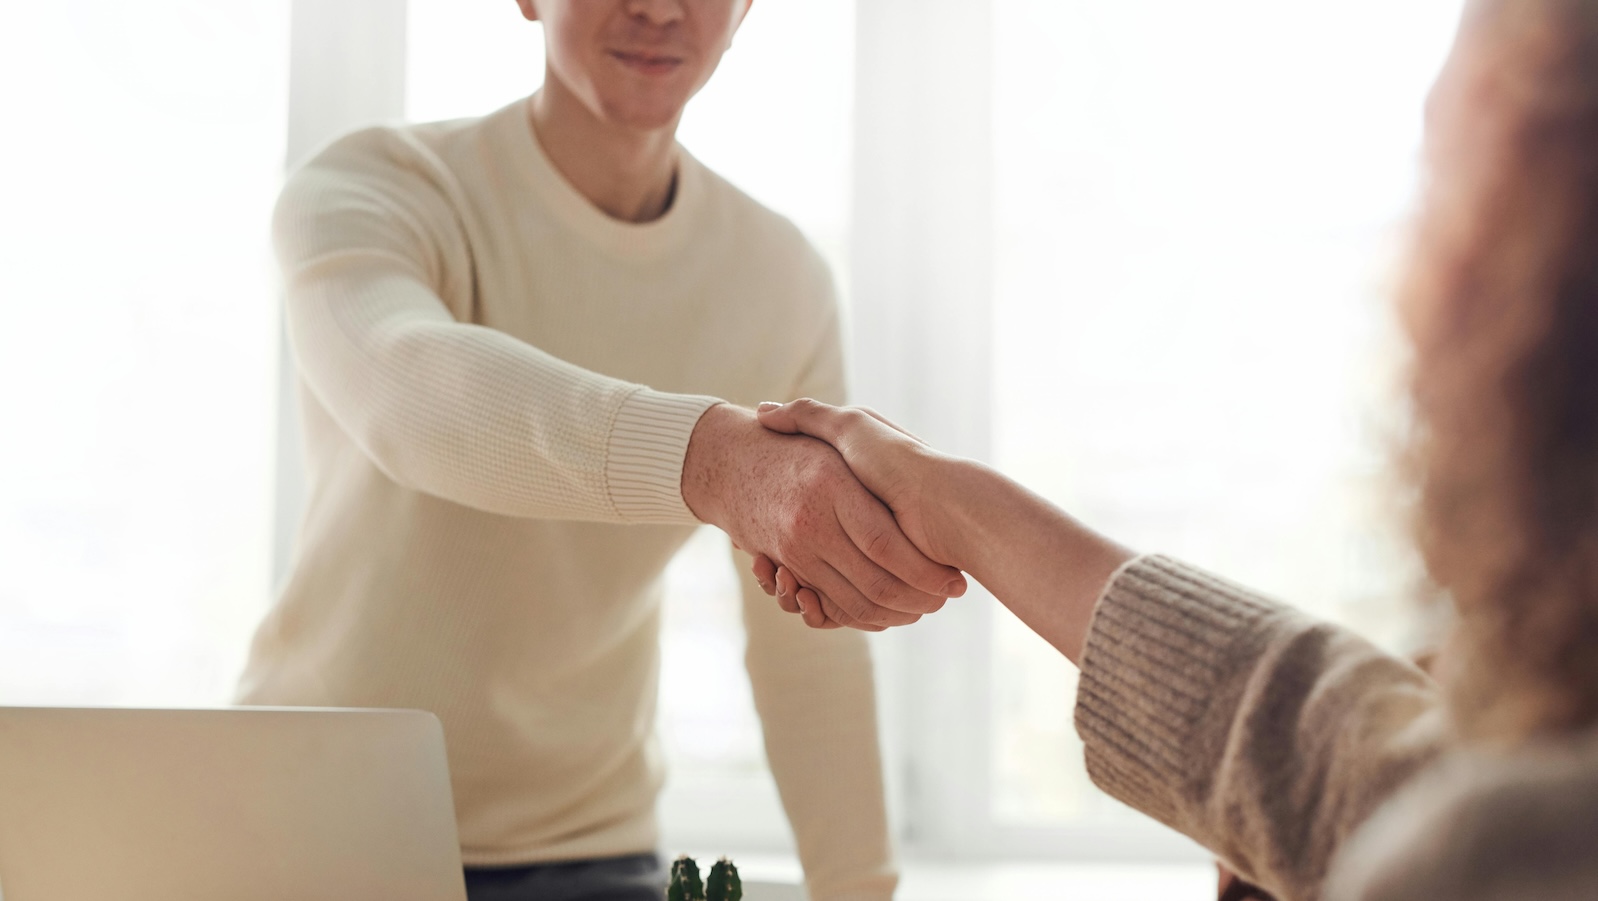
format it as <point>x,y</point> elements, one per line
<point>1313,763</point>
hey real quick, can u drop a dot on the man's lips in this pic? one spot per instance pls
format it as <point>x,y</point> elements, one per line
<point>647,63</point>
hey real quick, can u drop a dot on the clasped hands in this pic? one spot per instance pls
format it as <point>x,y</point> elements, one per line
<point>829,501</point>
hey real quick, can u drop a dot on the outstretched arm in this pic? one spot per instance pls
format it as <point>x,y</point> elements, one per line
<point>794,498</point>
<point>1264,734</point>
<point>1047,567</point>
<point>378,282</point>
<point>370,249</point>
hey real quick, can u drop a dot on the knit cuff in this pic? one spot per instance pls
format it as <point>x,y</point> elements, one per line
<point>643,466</point>
<point>1163,641</point>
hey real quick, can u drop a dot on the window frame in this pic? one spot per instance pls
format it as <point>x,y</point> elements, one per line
<point>922,284</point>
<point>346,70</point>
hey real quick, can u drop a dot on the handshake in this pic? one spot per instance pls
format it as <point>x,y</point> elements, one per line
<point>834,504</point>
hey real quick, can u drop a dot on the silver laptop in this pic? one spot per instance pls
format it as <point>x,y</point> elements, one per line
<point>242,804</point>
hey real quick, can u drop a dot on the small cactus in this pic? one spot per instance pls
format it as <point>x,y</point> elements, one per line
<point>723,883</point>
<point>685,884</point>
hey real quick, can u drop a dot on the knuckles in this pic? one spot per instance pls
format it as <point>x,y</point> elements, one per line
<point>805,405</point>
<point>881,589</point>
<point>818,489</point>
<point>878,541</point>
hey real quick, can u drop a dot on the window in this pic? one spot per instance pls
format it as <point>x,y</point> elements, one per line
<point>139,351</point>
<point>1135,252</point>
<point>1197,210</point>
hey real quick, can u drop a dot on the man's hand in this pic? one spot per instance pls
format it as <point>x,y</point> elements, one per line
<point>792,498</point>
<point>889,461</point>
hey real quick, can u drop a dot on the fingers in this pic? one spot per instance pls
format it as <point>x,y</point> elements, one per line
<point>850,587</point>
<point>860,566</point>
<point>883,592</point>
<point>818,420</point>
<point>765,572</point>
<point>847,609</point>
<point>915,583</point>
<point>817,611</point>
<point>844,602</point>
<point>803,416</point>
<point>787,590</point>
<point>777,582</point>
<point>814,612</point>
<point>805,602</point>
<point>891,424</point>
<point>834,616</point>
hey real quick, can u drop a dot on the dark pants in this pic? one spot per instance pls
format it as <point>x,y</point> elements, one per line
<point>636,877</point>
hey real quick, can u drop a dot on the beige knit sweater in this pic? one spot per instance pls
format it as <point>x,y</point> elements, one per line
<point>1313,763</point>
<point>498,385</point>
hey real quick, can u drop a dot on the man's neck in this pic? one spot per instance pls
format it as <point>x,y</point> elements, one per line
<point>627,173</point>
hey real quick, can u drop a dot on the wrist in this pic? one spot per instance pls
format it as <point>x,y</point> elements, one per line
<point>956,499</point>
<point>981,509</point>
<point>706,465</point>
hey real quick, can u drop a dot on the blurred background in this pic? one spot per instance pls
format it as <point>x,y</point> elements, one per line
<point>1135,253</point>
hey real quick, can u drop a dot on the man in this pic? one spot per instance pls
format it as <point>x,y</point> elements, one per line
<point>527,345</point>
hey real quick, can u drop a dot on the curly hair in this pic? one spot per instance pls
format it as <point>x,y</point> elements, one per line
<point>1500,300</point>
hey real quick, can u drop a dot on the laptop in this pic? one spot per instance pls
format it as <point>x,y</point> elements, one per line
<point>245,804</point>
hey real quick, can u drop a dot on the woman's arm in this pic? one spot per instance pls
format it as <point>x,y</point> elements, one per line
<point>1265,735</point>
<point>1046,567</point>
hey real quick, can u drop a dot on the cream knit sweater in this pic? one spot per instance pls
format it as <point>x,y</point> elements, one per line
<point>498,385</point>
<point>1316,765</point>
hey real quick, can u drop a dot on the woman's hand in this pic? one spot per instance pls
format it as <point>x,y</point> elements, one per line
<point>890,462</point>
<point>1037,560</point>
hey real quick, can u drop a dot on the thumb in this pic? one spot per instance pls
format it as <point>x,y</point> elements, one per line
<point>801,417</point>
<point>776,417</point>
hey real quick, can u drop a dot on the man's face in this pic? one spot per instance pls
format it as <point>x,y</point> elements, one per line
<point>635,62</point>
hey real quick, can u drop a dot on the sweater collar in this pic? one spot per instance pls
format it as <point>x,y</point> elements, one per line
<point>615,237</point>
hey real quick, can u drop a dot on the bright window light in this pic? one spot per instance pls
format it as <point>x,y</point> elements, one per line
<point>139,351</point>
<point>1198,208</point>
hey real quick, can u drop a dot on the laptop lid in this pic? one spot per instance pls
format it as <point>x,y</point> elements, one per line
<point>245,804</point>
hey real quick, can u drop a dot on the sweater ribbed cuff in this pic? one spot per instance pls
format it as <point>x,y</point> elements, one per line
<point>643,465</point>
<point>1161,644</point>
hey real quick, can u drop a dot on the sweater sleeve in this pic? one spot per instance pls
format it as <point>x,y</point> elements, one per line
<point>367,240</point>
<point>1265,735</point>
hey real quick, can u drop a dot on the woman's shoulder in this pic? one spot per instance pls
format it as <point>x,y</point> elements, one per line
<point>1484,826</point>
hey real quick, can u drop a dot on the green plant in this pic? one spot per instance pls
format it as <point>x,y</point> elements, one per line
<point>685,884</point>
<point>723,884</point>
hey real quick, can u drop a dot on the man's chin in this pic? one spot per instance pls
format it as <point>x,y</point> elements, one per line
<point>647,119</point>
<point>641,111</point>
